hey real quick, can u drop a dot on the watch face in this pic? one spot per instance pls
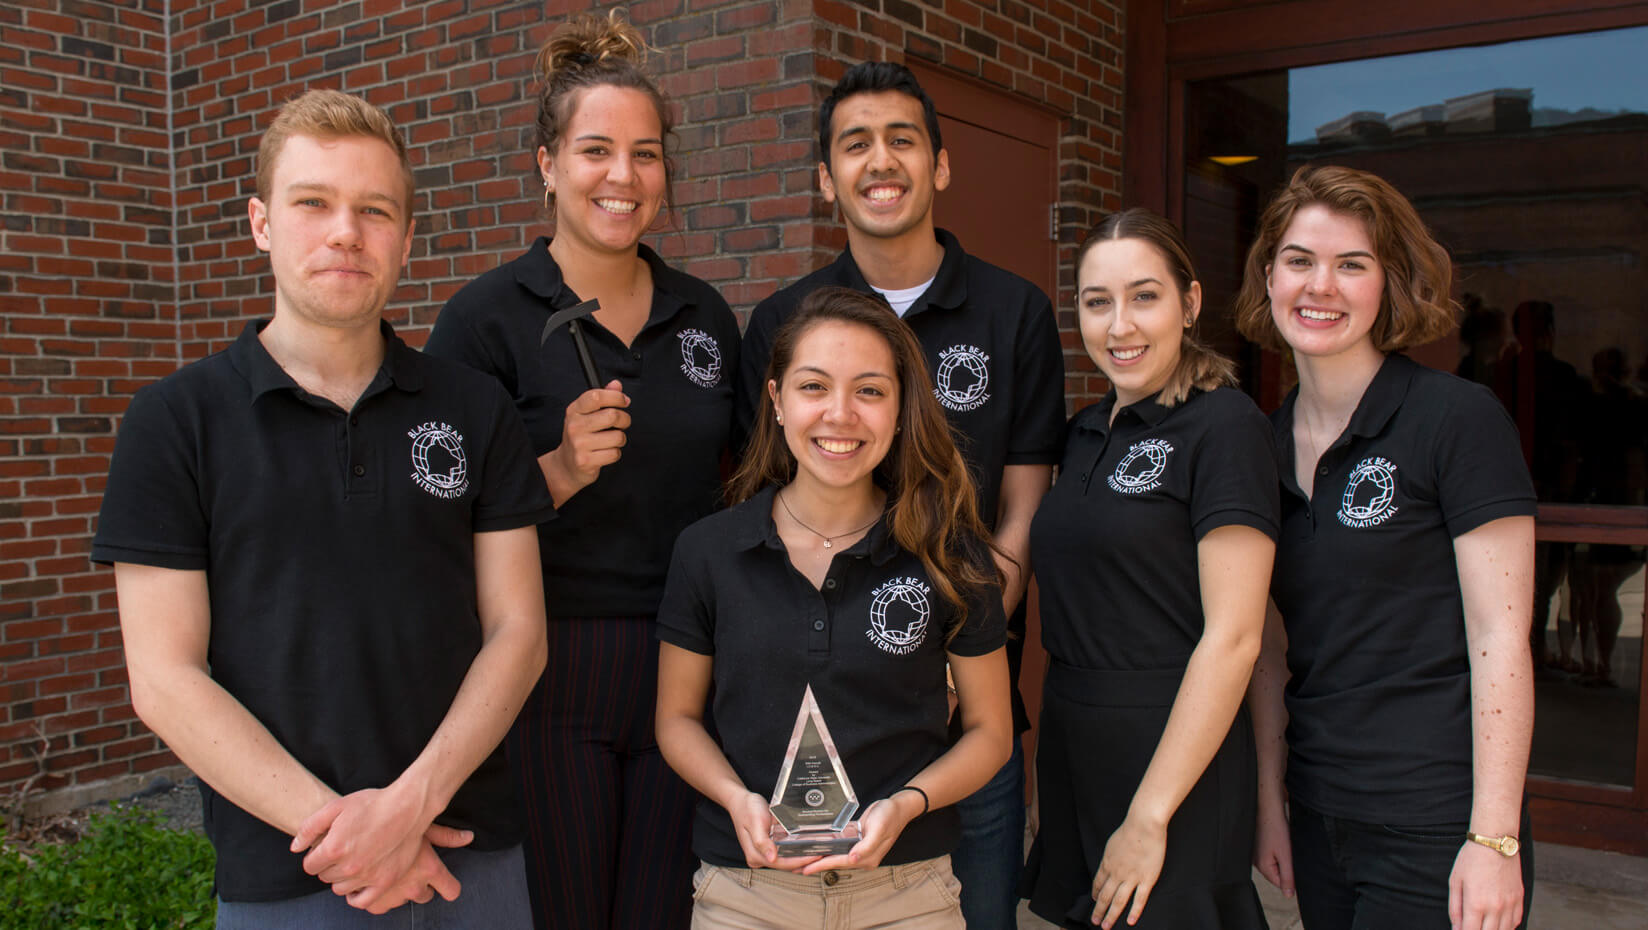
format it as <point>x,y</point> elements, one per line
<point>1509,846</point>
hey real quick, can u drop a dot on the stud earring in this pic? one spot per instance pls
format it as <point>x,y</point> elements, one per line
<point>780,418</point>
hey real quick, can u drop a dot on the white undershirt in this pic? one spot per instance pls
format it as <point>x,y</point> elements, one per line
<point>906,298</point>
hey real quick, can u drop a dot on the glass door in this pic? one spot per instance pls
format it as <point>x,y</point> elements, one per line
<point>1529,160</point>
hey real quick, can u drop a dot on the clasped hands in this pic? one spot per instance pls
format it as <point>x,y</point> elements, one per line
<point>376,849</point>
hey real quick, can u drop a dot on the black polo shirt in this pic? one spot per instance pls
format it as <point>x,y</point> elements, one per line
<point>1379,703</point>
<point>871,644</point>
<point>1114,542</point>
<point>339,550</point>
<point>609,551</point>
<point>993,349</point>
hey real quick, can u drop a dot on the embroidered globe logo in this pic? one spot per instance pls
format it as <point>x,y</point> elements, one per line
<point>446,472</point>
<point>1143,464</point>
<point>701,357</point>
<point>910,612</point>
<point>962,378</point>
<point>1373,482</point>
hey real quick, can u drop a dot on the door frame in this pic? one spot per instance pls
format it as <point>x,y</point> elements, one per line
<point>966,99</point>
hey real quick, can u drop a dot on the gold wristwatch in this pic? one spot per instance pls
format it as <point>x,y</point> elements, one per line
<point>1506,846</point>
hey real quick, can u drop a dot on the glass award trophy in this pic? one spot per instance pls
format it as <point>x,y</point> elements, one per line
<point>814,802</point>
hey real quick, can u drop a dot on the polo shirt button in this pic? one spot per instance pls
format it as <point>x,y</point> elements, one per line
<point>636,356</point>
<point>1322,471</point>
<point>830,877</point>
<point>359,470</point>
<point>818,625</point>
<point>354,421</point>
<point>829,584</point>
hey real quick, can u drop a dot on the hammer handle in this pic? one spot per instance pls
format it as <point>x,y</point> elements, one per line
<point>585,360</point>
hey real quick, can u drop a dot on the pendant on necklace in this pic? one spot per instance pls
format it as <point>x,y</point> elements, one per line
<point>826,544</point>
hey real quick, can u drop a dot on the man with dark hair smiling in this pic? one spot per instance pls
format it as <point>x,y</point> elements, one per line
<point>993,348</point>
<point>326,557</point>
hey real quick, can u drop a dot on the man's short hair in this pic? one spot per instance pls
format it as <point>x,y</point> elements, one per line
<point>872,77</point>
<point>328,114</point>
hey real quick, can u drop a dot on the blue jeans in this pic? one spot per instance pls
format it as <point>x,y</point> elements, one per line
<point>1365,876</point>
<point>991,853</point>
<point>493,896</point>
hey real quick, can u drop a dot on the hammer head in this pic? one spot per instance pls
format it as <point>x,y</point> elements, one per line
<point>568,315</point>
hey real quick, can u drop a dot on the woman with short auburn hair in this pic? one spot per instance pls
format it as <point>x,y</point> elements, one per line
<point>1415,308</point>
<point>1397,658</point>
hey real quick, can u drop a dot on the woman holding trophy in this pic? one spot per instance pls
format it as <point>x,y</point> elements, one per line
<point>824,608</point>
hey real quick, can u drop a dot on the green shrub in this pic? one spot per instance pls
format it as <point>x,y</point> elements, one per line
<point>127,872</point>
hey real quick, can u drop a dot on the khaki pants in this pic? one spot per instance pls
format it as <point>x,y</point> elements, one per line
<point>921,895</point>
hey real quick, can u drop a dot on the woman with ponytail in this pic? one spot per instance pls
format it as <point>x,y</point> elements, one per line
<point>854,567</point>
<point>1152,552</point>
<point>630,461</point>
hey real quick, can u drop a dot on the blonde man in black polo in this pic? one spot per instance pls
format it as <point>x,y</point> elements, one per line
<point>326,560</point>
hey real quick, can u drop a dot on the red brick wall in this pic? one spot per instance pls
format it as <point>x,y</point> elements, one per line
<point>457,78</point>
<point>124,246</point>
<point>86,314</point>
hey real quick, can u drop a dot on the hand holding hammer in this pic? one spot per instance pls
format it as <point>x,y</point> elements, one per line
<point>592,434</point>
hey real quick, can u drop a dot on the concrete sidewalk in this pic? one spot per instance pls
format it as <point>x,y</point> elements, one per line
<point>1574,889</point>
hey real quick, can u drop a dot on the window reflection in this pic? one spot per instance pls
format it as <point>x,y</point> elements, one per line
<point>1527,160</point>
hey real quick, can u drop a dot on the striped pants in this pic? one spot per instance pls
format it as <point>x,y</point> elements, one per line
<point>608,822</point>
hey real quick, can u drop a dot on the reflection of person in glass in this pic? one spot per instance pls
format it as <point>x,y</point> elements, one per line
<point>1546,391</point>
<point>1403,580</point>
<point>1613,471</point>
<point>855,563</point>
<point>1153,555</point>
<point>630,463</point>
<point>1489,347</point>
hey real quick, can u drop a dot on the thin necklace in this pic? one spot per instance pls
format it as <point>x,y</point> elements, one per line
<point>827,539</point>
<point>1310,435</point>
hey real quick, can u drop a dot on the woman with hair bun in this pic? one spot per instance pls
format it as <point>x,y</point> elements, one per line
<point>630,462</point>
<point>1398,662</point>
<point>1153,554</point>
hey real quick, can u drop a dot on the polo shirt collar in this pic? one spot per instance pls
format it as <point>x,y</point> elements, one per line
<point>1383,397</point>
<point>1381,400</point>
<point>1150,411</point>
<point>756,528</point>
<point>949,289</point>
<point>538,272</point>
<point>947,292</point>
<point>401,367</point>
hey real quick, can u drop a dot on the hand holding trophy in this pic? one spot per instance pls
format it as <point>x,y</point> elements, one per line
<point>813,803</point>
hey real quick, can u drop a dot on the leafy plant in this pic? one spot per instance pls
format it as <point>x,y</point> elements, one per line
<point>126,872</point>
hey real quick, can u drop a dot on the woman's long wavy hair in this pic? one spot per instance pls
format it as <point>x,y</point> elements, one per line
<point>931,500</point>
<point>1200,367</point>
